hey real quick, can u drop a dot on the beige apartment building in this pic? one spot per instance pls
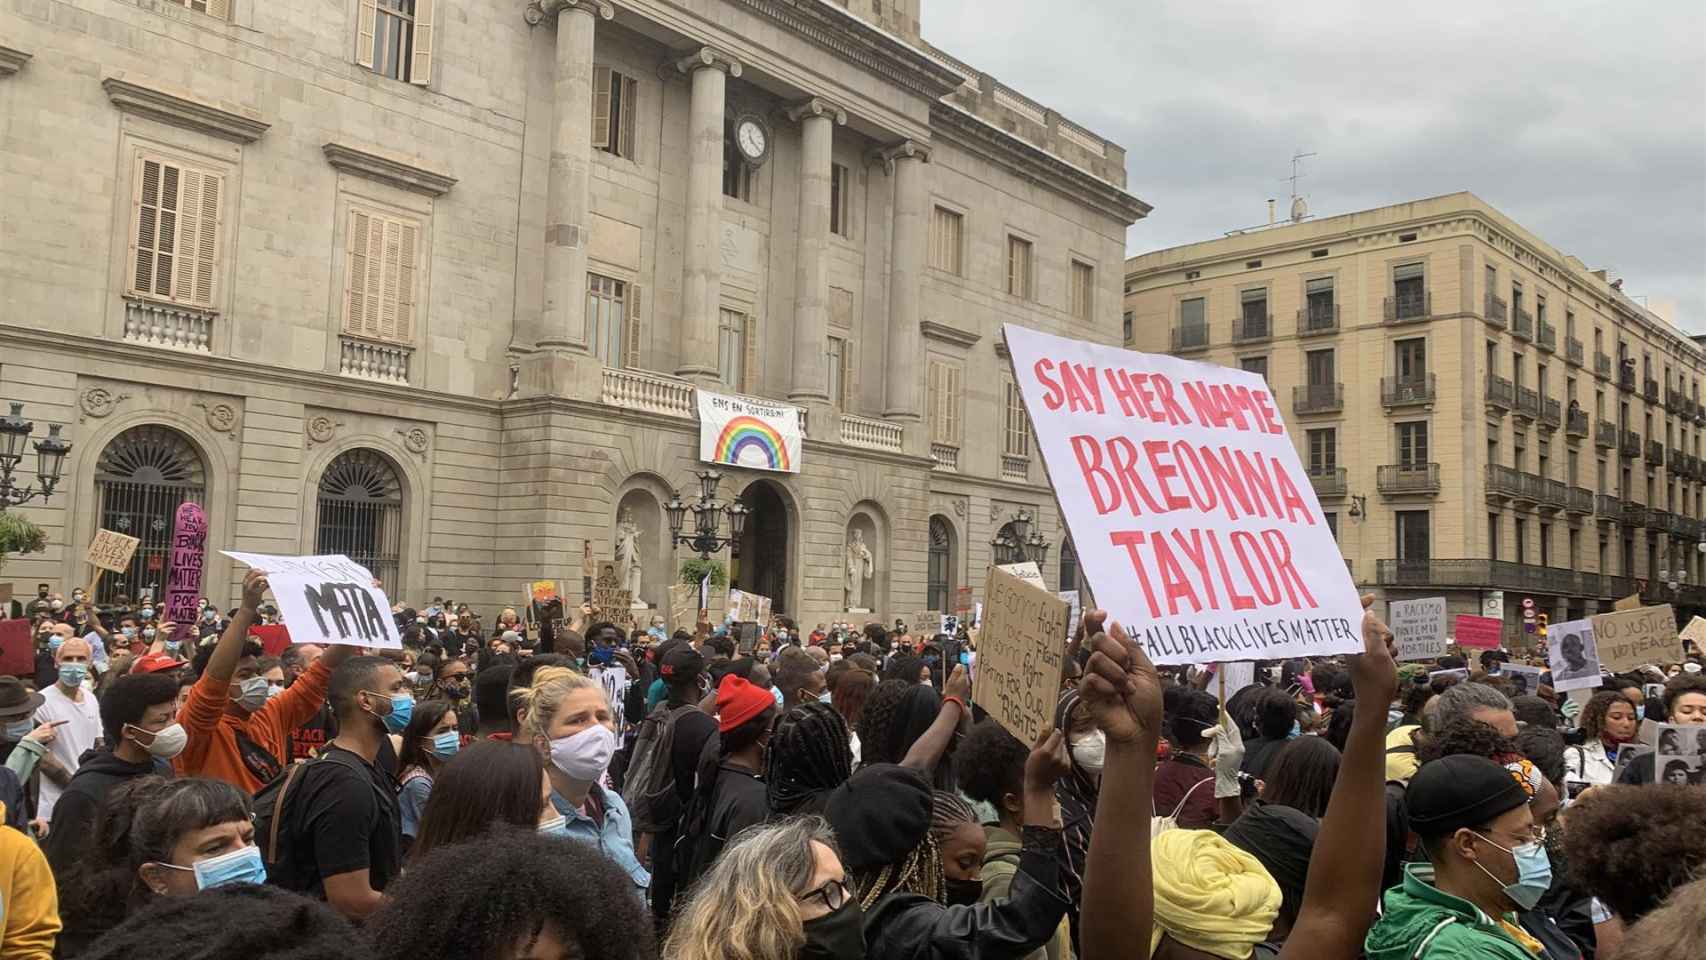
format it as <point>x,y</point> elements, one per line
<point>1482,416</point>
<point>434,284</point>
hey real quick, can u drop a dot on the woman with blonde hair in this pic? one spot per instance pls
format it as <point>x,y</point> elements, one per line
<point>568,719</point>
<point>778,892</point>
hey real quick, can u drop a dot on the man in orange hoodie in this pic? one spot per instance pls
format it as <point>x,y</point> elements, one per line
<point>236,733</point>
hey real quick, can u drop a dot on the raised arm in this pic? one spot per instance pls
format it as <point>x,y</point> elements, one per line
<point>223,663</point>
<point>934,741</point>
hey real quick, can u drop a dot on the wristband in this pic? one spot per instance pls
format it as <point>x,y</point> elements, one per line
<point>953,699</point>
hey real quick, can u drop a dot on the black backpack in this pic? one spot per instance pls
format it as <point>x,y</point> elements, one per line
<point>275,833</point>
<point>649,783</point>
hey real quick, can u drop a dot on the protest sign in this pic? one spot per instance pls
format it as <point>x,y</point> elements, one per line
<point>542,592</point>
<point>1525,680</point>
<point>189,556</point>
<point>950,624</point>
<point>1232,677</point>
<point>1020,652</point>
<point>274,637</point>
<point>613,677</point>
<point>1573,654</point>
<point>327,599</point>
<point>962,601</point>
<point>1695,632</point>
<point>683,606</point>
<point>17,648</point>
<point>1631,602</point>
<point>111,551</point>
<point>1459,673</point>
<point>1075,611</point>
<point>1630,638</point>
<point>1027,571</point>
<point>1193,519</point>
<point>1681,755</point>
<point>1483,633</point>
<point>745,432</point>
<point>614,602</point>
<point>1418,627</point>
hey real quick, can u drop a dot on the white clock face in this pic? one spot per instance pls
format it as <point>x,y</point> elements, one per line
<point>750,138</point>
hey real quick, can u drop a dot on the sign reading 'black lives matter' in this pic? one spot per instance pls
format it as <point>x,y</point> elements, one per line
<point>329,599</point>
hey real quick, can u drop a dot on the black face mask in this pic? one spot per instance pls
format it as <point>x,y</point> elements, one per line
<point>839,935</point>
<point>963,893</point>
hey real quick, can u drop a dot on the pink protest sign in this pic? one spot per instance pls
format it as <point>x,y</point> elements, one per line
<point>189,553</point>
<point>1482,632</point>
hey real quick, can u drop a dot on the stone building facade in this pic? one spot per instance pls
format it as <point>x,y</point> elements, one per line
<point>434,284</point>
<point>1482,416</point>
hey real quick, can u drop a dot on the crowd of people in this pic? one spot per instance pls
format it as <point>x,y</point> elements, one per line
<point>577,788</point>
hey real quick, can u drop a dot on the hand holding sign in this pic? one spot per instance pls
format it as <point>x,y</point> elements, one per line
<point>326,599</point>
<point>1374,672</point>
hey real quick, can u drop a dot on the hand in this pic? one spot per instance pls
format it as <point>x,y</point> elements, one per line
<point>254,588</point>
<point>1048,762</point>
<point>958,685</point>
<point>1374,672</point>
<point>39,827</point>
<point>627,662</point>
<point>43,734</point>
<point>1121,688</point>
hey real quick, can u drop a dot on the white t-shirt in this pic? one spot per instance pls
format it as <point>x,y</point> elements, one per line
<point>72,739</point>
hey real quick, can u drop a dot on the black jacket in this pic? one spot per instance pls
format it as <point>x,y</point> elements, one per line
<point>74,815</point>
<point>1639,771</point>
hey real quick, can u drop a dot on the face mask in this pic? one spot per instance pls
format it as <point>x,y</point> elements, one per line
<point>965,658</point>
<point>1533,873</point>
<point>77,597</point>
<point>128,631</point>
<point>1640,712</point>
<point>423,678</point>
<point>455,691</point>
<point>402,709</point>
<point>18,729</point>
<point>1296,730</point>
<point>73,674</point>
<point>56,605</point>
<point>242,865</point>
<point>148,633</point>
<point>585,755</point>
<point>274,689</point>
<point>254,693</point>
<point>963,892</point>
<point>557,826</point>
<point>446,744</point>
<point>208,615</point>
<point>147,613</point>
<point>173,646</point>
<point>54,641</point>
<point>167,742</point>
<point>839,935</point>
<point>835,658</point>
<point>1089,749</point>
<point>824,697</point>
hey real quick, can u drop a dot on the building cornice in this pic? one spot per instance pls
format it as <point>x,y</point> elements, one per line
<point>386,168</point>
<point>12,60</point>
<point>850,38</point>
<point>935,330</point>
<point>241,124</point>
<point>1045,169</point>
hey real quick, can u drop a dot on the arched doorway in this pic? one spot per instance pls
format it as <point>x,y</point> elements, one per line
<point>939,591</point>
<point>762,564</point>
<point>361,512</point>
<point>141,479</point>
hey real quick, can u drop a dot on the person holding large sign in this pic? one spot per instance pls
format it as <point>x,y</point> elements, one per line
<point>1685,706</point>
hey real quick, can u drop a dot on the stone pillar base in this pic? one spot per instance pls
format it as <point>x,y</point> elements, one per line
<point>560,373</point>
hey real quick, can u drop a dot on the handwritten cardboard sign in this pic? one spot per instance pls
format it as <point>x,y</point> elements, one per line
<point>614,602</point>
<point>1629,638</point>
<point>1631,602</point>
<point>683,606</point>
<point>189,556</point>
<point>327,599</point>
<point>1573,655</point>
<point>1695,632</point>
<point>1483,633</point>
<point>111,551</point>
<point>1019,655</point>
<point>1193,519</point>
<point>1418,626</point>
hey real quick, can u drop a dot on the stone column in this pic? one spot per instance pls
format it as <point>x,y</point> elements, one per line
<point>811,280</point>
<point>905,163</point>
<point>701,278</point>
<point>563,323</point>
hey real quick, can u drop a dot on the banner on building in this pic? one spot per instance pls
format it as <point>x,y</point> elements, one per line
<point>1194,521</point>
<point>744,432</point>
<point>327,599</point>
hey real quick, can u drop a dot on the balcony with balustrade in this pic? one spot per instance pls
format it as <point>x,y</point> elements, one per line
<point>1605,435</point>
<point>1407,479</point>
<point>1629,444</point>
<point>1655,453</point>
<point>1317,398</point>
<point>1576,424</point>
<point>1501,395</point>
<point>648,392</point>
<point>1522,324</point>
<point>946,457</point>
<point>1495,311</point>
<point>1634,514</point>
<point>1478,574</point>
<point>1412,308</point>
<point>373,360</point>
<point>1509,485</point>
<point>1407,391</point>
<point>1676,401</point>
<point>1607,508</point>
<point>1554,495</point>
<point>1573,351</point>
<point>1527,403</point>
<point>1551,414</point>
<point>1626,377</point>
<point>168,325</point>
<point>1015,469</point>
<point>870,433</point>
<point>1650,390</point>
<point>1319,320</point>
<point>1188,339</point>
<point>1252,328</point>
<point>1545,337</point>
<point>1329,482</point>
<point>1674,460</point>
<point>1601,366</point>
<point>1579,502</point>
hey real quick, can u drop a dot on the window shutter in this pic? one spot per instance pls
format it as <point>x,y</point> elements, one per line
<point>406,273</point>
<point>391,267</point>
<point>364,27</point>
<point>631,329</point>
<point>373,277</point>
<point>849,375</point>
<point>749,369</point>
<point>145,216</point>
<point>955,404</point>
<point>601,107</point>
<point>188,233</point>
<point>630,107</point>
<point>426,36</point>
<point>355,271</point>
<point>198,237</point>
<point>935,390</point>
<point>219,9</point>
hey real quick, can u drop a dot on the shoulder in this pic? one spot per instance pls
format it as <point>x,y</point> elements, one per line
<point>1472,942</point>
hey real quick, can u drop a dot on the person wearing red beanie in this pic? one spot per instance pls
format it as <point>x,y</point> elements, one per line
<point>732,796</point>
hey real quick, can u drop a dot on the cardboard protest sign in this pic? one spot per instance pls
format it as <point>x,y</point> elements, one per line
<point>17,649</point>
<point>683,606</point>
<point>1027,571</point>
<point>189,556</point>
<point>1194,521</point>
<point>614,602</point>
<point>1629,638</point>
<point>1418,627</point>
<point>111,551</point>
<point>1573,654</point>
<point>1019,655</point>
<point>1483,633</point>
<point>327,599</point>
<point>1631,602</point>
<point>962,601</point>
<point>274,637</point>
<point>1695,632</point>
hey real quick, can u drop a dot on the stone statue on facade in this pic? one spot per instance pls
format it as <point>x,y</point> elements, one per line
<point>628,560</point>
<point>860,565</point>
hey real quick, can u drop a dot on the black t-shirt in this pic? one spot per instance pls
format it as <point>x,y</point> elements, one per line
<point>312,737</point>
<point>692,730</point>
<point>346,819</point>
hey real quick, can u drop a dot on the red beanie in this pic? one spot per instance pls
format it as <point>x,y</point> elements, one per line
<point>739,701</point>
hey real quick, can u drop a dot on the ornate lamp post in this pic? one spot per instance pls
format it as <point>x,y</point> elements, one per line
<point>708,512</point>
<point>50,458</point>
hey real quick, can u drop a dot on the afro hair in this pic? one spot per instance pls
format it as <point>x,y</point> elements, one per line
<point>991,763</point>
<point>245,920</point>
<point>1631,845</point>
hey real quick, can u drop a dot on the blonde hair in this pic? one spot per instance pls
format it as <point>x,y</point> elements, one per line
<point>541,701</point>
<point>746,906</point>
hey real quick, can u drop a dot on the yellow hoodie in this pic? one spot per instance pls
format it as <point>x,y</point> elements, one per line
<point>29,902</point>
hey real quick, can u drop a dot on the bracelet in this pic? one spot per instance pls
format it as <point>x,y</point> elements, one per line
<point>962,703</point>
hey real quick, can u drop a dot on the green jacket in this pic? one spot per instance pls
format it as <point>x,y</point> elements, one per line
<point>1423,922</point>
<point>1000,863</point>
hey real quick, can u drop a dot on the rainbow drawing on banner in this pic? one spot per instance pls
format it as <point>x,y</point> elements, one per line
<point>750,433</point>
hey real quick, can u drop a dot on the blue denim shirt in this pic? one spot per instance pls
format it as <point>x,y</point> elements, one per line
<point>615,839</point>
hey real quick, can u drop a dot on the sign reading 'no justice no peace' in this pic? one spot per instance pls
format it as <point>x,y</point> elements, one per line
<point>1193,519</point>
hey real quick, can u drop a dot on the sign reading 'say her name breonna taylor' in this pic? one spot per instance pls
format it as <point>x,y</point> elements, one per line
<point>1193,519</point>
<point>742,432</point>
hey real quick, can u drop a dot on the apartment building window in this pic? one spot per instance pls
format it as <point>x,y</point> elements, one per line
<point>1016,434</point>
<point>615,101</point>
<point>1125,325</point>
<point>1256,365</point>
<point>838,191</point>
<point>1409,290</point>
<point>1598,341</point>
<point>1628,555</point>
<point>1570,391</point>
<point>947,232</point>
<point>1019,267</point>
<point>1516,368</point>
<point>1253,312</point>
<point>1083,298</point>
<point>218,9</point>
<point>1599,476</point>
<point>1492,536</point>
<point>1318,368</point>
<point>176,232</point>
<point>1492,281</point>
<point>1318,299</point>
<point>606,317</point>
<point>1332,524</point>
<point>1412,535</point>
<point>1652,556</point>
<point>946,400</point>
<point>1493,357</point>
<point>1519,453</point>
<point>394,38</point>
<point>1413,444</point>
<point>1323,451</point>
<point>1516,296</point>
<point>1521,538</point>
<point>1570,324</point>
<point>1604,550</point>
<point>1575,558</point>
<point>381,264</point>
<point>841,365</point>
<point>1599,404</point>
<point>1193,319</point>
<point>1572,463</point>
<point>732,348</point>
<point>1410,360</point>
<point>1543,463</point>
<point>1545,544</point>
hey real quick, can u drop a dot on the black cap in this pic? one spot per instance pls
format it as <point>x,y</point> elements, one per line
<point>1457,791</point>
<point>881,814</point>
<point>681,663</point>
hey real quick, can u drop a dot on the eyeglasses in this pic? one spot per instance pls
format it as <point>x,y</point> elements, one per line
<point>833,895</point>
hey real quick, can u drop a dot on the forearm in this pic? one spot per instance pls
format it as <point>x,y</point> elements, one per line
<point>55,771</point>
<point>930,746</point>
<point>1118,904</point>
<point>24,758</point>
<point>1344,876</point>
<point>229,650</point>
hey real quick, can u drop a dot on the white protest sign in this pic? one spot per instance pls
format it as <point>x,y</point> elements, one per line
<point>1193,519</point>
<point>1695,632</point>
<point>1027,571</point>
<point>614,679</point>
<point>1573,655</point>
<point>1076,611</point>
<point>329,599</point>
<point>1525,680</point>
<point>1418,627</point>
<point>1234,677</point>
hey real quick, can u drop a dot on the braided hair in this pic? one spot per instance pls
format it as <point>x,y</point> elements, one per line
<point>878,723</point>
<point>809,756</point>
<point>948,812</point>
<point>921,873</point>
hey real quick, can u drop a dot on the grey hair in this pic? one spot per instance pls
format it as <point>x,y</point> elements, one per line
<point>747,905</point>
<point>1461,700</point>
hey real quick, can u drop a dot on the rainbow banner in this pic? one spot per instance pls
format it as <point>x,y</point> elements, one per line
<point>743,432</point>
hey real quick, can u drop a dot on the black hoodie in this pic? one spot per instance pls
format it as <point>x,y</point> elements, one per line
<point>98,771</point>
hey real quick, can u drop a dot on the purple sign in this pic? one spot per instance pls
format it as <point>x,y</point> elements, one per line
<point>183,583</point>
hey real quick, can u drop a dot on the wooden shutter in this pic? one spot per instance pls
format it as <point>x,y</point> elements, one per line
<point>849,375</point>
<point>219,9</point>
<point>749,368</point>
<point>934,389</point>
<point>373,276</point>
<point>426,37</point>
<point>601,107</point>
<point>367,16</point>
<point>355,271</point>
<point>390,280</point>
<point>630,111</point>
<point>407,270</point>
<point>631,329</point>
<point>197,237</point>
<point>146,238</point>
<point>956,401</point>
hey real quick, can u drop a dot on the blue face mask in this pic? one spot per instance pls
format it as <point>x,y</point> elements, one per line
<point>242,865</point>
<point>18,729</point>
<point>446,744</point>
<point>1640,712</point>
<point>1533,873</point>
<point>1296,730</point>
<point>965,658</point>
<point>73,674</point>
<point>402,710</point>
<point>54,642</point>
<point>823,697</point>
<point>147,613</point>
<point>173,646</point>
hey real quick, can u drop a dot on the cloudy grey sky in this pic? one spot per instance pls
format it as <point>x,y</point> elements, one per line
<point>1583,121</point>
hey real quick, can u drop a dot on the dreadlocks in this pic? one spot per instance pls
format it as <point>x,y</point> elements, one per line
<point>920,873</point>
<point>880,719</point>
<point>809,756</point>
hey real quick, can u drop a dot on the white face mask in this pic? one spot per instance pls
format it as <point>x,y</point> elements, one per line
<point>1089,749</point>
<point>584,755</point>
<point>168,742</point>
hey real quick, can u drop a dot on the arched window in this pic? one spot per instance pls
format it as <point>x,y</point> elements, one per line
<point>1009,547</point>
<point>141,479</point>
<point>361,512</point>
<point>1068,565</point>
<point>940,585</point>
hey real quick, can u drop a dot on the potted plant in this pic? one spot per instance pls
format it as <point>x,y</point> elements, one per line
<point>19,535</point>
<point>694,570</point>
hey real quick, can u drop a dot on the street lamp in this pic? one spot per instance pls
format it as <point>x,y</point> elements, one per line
<point>1036,548</point>
<point>50,458</point>
<point>708,512</point>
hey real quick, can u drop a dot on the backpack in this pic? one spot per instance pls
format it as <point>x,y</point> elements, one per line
<point>272,832</point>
<point>649,782</point>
